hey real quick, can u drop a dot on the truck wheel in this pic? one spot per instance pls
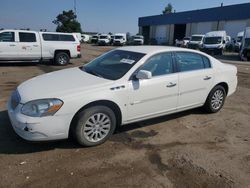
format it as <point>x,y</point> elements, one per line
<point>215,99</point>
<point>94,126</point>
<point>62,58</point>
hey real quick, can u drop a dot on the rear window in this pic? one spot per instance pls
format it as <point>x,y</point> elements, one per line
<point>58,37</point>
<point>27,37</point>
<point>7,37</point>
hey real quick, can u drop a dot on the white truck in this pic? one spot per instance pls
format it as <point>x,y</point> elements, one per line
<point>238,41</point>
<point>22,45</point>
<point>195,42</point>
<point>120,39</point>
<point>104,39</point>
<point>138,40</point>
<point>214,42</point>
<point>245,48</point>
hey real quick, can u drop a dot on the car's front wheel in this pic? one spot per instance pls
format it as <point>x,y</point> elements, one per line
<point>215,100</point>
<point>94,125</point>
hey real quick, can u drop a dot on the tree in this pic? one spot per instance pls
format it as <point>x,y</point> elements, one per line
<point>66,22</point>
<point>168,9</point>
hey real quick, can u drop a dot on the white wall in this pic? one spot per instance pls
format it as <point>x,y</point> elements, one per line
<point>161,34</point>
<point>234,27</point>
<point>203,27</point>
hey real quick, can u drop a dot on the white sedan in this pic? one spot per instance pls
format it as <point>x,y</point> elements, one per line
<point>123,86</point>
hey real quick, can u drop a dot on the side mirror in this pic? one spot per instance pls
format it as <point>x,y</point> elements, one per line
<point>143,75</point>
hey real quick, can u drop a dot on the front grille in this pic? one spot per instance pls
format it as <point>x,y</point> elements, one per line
<point>193,46</point>
<point>15,99</point>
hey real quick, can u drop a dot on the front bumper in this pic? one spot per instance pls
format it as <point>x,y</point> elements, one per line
<point>38,129</point>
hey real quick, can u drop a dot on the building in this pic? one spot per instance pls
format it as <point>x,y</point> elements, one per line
<point>166,28</point>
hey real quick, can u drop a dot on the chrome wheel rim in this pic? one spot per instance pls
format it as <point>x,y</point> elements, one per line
<point>97,127</point>
<point>62,59</point>
<point>217,99</point>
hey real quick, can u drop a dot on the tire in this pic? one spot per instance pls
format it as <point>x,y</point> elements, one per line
<point>88,133</point>
<point>62,58</point>
<point>215,99</point>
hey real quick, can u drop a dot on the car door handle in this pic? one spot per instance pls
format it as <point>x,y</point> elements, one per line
<point>207,78</point>
<point>12,45</point>
<point>171,84</point>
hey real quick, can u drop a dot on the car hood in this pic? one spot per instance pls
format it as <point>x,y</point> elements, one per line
<point>60,83</point>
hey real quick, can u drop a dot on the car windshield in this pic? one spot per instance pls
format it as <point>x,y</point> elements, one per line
<point>138,37</point>
<point>196,38</point>
<point>113,65</point>
<point>239,39</point>
<point>247,43</point>
<point>103,37</point>
<point>118,37</point>
<point>212,40</point>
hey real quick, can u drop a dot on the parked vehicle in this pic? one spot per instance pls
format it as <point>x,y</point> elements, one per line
<point>78,36</point>
<point>112,39</point>
<point>138,40</point>
<point>120,39</point>
<point>214,42</point>
<point>126,85</point>
<point>185,41</point>
<point>182,43</point>
<point>104,39</point>
<point>22,45</point>
<point>245,48</point>
<point>85,38</point>
<point>94,39</point>
<point>238,41</point>
<point>195,42</point>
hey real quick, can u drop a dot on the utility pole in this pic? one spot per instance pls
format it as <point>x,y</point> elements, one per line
<point>75,6</point>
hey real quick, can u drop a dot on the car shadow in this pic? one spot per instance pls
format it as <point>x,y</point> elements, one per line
<point>10,143</point>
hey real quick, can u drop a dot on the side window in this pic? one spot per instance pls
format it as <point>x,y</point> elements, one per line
<point>67,38</point>
<point>7,37</point>
<point>207,63</point>
<point>27,37</point>
<point>50,37</point>
<point>160,64</point>
<point>189,61</point>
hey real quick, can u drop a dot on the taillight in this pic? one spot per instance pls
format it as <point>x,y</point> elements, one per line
<point>78,48</point>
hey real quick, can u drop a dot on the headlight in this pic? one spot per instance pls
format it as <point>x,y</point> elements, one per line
<point>42,107</point>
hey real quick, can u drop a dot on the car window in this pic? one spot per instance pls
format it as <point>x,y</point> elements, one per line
<point>27,37</point>
<point>50,37</point>
<point>7,37</point>
<point>67,38</point>
<point>189,61</point>
<point>160,64</point>
<point>206,62</point>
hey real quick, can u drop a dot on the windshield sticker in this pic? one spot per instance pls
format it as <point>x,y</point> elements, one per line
<point>128,61</point>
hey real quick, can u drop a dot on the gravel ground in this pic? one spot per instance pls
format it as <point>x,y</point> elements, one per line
<point>188,149</point>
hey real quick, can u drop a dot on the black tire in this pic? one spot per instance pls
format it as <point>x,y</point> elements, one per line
<point>62,58</point>
<point>209,106</point>
<point>80,123</point>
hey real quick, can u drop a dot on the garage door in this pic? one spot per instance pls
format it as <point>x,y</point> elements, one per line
<point>161,33</point>
<point>204,27</point>
<point>234,27</point>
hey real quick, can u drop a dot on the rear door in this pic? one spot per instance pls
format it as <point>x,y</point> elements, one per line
<point>29,46</point>
<point>195,79</point>
<point>8,45</point>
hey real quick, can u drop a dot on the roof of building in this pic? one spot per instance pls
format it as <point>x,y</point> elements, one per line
<point>231,12</point>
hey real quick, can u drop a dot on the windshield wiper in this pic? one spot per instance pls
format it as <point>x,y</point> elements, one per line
<point>92,72</point>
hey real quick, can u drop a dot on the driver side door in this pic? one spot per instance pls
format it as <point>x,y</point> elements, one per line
<point>156,96</point>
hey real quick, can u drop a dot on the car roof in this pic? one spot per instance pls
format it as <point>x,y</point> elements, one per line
<point>152,49</point>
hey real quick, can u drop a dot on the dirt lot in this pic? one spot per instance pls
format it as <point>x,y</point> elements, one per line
<point>189,149</point>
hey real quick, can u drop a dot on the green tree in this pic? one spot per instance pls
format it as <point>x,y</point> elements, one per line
<point>168,9</point>
<point>66,22</point>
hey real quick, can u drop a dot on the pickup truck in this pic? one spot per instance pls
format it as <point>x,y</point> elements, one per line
<point>22,45</point>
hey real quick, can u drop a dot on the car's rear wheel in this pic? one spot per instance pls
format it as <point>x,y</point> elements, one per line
<point>215,100</point>
<point>94,125</point>
<point>62,58</point>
